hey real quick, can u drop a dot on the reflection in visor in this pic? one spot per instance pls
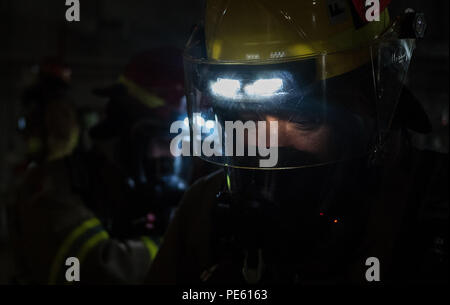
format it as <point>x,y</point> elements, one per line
<point>322,117</point>
<point>226,87</point>
<point>231,88</point>
<point>264,87</point>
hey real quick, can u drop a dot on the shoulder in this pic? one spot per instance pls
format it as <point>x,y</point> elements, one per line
<point>201,194</point>
<point>195,213</point>
<point>185,252</point>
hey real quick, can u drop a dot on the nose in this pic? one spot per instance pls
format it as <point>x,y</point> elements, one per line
<point>280,127</point>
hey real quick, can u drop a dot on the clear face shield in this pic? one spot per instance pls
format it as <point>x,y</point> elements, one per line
<point>281,115</point>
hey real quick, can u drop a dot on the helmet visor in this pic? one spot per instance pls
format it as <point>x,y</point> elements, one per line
<point>289,113</point>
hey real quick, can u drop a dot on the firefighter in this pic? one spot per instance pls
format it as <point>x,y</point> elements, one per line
<point>134,138</point>
<point>48,122</point>
<point>91,207</point>
<point>347,186</point>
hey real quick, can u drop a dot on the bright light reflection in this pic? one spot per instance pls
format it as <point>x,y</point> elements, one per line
<point>264,87</point>
<point>231,88</point>
<point>226,87</point>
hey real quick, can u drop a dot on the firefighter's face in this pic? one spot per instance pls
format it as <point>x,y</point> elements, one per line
<point>313,138</point>
<point>310,137</point>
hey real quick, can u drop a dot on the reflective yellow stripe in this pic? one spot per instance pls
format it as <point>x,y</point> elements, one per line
<point>65,247</point>
<point>88,245</point>
<point>91,243</point>
<point>142,95</point>
<point>151,246</point>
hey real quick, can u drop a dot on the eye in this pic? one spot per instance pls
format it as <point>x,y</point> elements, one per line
<point>307,121</point>
<point>305,126</point>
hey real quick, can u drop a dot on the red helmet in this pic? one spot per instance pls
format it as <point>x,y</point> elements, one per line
<point>153,79</point>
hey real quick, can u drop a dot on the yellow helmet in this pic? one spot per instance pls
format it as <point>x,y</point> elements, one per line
<point>329,78</point>
<point>255,31</point>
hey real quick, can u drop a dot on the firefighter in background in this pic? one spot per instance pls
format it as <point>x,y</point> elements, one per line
<point>347,185</point>
<point>135,138</point>
<point>70,204</point>
<point>48,122</point>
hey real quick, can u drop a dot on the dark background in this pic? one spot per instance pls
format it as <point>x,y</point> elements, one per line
<point>110,32</point>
